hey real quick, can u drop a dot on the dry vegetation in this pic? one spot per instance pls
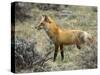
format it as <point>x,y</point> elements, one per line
<point>34,50</point>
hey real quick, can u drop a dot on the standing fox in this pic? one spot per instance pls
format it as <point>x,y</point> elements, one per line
<point>62,37</point>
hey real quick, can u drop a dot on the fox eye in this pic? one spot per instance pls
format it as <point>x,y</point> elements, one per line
<point>41,23</point>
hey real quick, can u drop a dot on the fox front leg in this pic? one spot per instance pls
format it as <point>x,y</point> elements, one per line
<point>56,52</point>
<point>62,52</point>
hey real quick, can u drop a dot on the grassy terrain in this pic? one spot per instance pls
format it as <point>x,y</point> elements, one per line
<point>70,17</point>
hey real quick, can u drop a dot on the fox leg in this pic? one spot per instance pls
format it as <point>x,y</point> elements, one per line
<point>62,52</point>
<point>78,46</point>
<point>56,52</point>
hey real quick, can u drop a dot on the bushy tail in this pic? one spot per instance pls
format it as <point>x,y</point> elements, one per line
<point>89,39</point>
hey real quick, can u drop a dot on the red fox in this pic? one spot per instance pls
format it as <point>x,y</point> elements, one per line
<point>62,37</point>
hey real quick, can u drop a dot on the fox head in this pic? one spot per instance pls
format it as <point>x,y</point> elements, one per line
<point>44,20</point>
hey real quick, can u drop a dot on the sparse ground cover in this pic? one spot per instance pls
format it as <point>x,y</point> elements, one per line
<point>33,45</point>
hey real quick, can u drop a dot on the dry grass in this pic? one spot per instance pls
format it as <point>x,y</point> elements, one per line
<point>77,17</point>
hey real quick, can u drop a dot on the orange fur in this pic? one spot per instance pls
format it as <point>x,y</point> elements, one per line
<point>62,37</point>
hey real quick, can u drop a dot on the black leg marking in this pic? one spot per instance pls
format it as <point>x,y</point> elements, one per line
<point>78,46</point>
<point>62,52</point>
<point>55,53</point>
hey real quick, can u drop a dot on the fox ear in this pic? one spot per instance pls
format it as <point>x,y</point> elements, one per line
<point>46,18</point>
